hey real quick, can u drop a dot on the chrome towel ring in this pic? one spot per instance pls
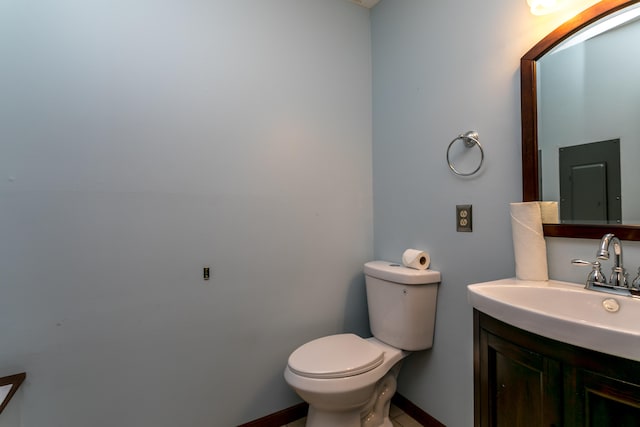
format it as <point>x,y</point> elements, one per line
<point>470,140</point>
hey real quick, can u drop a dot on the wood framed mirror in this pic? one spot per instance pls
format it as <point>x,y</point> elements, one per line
<point>531,175</point>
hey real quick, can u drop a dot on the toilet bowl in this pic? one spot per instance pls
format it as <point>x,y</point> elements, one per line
<point>338,376</point>
<point>347,380</point>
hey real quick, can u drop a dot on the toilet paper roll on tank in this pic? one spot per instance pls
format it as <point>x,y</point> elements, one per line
<point>415,258</point>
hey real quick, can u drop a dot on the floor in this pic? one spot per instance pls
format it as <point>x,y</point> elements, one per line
<point>397,415</point>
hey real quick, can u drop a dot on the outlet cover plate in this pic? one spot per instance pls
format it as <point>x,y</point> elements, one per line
<point>464,218</point>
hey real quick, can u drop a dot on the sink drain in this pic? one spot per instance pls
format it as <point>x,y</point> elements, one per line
<point>611,305</point>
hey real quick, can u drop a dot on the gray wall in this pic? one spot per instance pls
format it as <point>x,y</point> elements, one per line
<point>142,140</point>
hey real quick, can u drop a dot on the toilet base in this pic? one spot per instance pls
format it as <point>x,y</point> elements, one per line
<point>374,414</point>
<point>378,411</point>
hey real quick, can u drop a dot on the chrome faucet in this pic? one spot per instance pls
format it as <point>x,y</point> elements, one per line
<point>618,283</point>
<point>595,279</point>
<point>618,274</point>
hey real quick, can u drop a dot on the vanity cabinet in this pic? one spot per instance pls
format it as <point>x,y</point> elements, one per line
<point>522,379</point>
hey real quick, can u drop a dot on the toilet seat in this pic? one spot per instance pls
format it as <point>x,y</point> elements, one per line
<point>335,356</point>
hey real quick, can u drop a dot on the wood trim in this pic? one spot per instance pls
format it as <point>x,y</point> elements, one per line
<point>529,113</point>
<point>415,412</point>
<point>575,24</point>
<point>477,357</point>
<point>296,412</point>
<point>529,116</point>
<point>624,232</point>
<point>280,418</point>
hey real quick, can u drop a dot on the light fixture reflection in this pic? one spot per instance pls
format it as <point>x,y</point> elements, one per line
<point>602,26</point>
<point>545,7</point>
<point>542,7</point>
<point>8,387</point>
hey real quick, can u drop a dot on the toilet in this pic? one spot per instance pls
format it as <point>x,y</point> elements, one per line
<point>347,380</point>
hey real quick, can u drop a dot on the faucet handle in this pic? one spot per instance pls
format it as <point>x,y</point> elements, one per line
<point>595,277</point>
<point>636,282</point>
<point>619,277</point>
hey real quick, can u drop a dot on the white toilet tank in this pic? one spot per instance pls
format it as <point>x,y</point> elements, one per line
<point>402,304</point>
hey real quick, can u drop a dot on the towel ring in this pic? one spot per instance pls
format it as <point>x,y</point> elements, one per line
<point>470,139</point>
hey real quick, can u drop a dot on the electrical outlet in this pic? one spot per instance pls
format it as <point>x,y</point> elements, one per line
<point>205,273</point>
<point>464,218</point>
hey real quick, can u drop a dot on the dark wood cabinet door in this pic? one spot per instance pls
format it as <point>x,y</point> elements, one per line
<point>603,401</point>
<point>521,386</point>
<point>522,379</point>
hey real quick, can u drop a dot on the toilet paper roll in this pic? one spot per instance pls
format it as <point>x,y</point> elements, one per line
<point>549,212</point>
<point>414,258</point>
<point>529,246</point>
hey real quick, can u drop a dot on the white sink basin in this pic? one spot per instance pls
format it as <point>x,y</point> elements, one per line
<point>565,312</point>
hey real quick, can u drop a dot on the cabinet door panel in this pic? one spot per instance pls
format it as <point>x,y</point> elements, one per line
<point>517,393</point>
<point>608,402</point>
<point>523,386</point>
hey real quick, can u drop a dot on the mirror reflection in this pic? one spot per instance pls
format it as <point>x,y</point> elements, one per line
<point>589,123</point>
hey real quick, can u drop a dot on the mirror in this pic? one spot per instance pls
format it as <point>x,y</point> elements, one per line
<point>541,146</point>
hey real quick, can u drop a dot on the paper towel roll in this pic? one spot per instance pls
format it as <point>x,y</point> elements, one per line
<point>549,211</point>
<point>415,258</point>
<point>529,246</point>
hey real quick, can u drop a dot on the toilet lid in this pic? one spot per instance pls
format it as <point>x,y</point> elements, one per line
<point>335,356</point>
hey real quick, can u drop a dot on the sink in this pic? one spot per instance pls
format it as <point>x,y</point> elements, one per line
<point>565,312</point>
